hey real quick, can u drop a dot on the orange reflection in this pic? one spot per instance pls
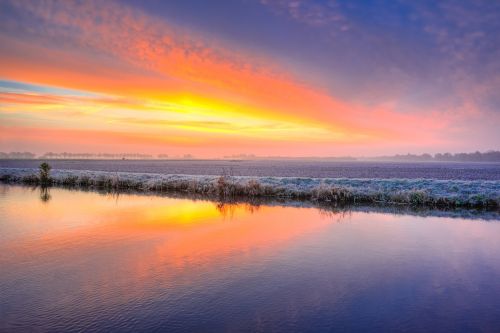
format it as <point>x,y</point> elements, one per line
<point>175,229</point>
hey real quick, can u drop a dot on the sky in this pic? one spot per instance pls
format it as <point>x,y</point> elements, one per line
<point>263,77</point>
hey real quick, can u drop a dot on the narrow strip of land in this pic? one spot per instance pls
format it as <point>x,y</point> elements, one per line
<point>425,192</point>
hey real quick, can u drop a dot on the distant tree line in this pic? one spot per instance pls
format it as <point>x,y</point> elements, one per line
<point>106,156</point>
<point>50,155</point>
<point>241,156</point>
<point>17,155</point>
<point>489,156</point>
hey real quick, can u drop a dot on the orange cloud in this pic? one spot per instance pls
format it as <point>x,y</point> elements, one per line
<point>157,76</point>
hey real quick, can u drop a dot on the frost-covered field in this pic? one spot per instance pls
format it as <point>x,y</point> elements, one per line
<point>281,168</point>
<point>455,193</point>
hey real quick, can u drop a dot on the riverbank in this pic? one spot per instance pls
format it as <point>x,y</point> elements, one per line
<point>417,192</point>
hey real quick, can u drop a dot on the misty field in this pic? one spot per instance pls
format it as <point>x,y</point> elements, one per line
<point>281,168</point>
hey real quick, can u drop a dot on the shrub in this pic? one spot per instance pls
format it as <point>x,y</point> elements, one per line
<point>70,181</point>
<point>103,182</point>
<point>84,181</point>
<point>418,197</point>
<point>221,186</point>
<point>332,194</point>
<point>254,188</point>
<point>6,178</point>
<point>44,171</point>
<point>31,179</point>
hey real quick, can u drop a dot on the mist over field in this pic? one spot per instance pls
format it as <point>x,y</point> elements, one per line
<point>489,156</point>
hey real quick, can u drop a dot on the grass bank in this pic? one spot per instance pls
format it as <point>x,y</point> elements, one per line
<point>415,192</point>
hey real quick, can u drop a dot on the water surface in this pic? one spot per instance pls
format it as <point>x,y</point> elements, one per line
<point>73,260</point>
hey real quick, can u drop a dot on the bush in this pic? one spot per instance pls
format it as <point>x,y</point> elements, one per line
<point>254,188</point>
<point>44,171</point>
<point>222,186</point>
<point>84,181</point>
<point>70,181</point>
<point>31,180</point>
<point>418,197</point>
<point>6,178</point>
<point>327,193</point>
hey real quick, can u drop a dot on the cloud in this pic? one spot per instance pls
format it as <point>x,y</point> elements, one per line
<point>151,75</point>
<point>168,62</point>
<point>310,12</point>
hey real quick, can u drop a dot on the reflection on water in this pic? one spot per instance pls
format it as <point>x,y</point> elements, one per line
<point>45,194</point>
<point>84,261</point>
